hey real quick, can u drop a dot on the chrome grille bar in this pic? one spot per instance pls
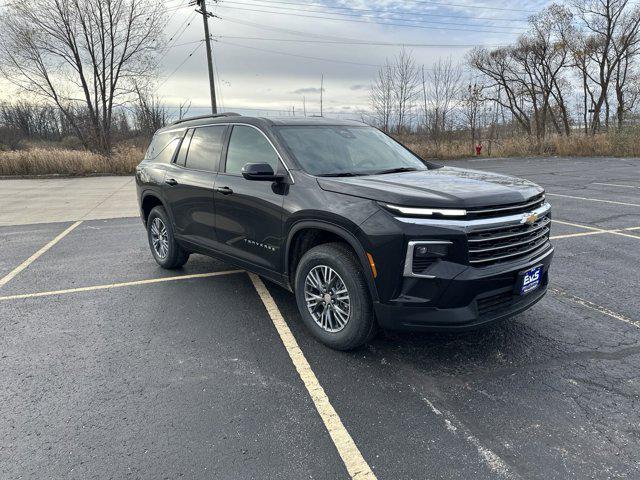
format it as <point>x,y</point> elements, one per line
<point>510,207</point>
<point>544,233</point>
<point>543,243</point>
<point>542,224</point>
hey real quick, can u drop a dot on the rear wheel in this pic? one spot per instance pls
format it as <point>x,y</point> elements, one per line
<point>333,297</point>
<point>164,248</point>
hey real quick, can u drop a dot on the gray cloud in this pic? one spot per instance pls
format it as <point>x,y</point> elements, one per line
<point>359,86</point>
<point>307,90</point>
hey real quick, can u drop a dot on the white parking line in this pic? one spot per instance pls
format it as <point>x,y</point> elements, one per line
<point>490,458</point>
<point>353,460</point>
<point>7,278</point>
<point>593,199</point>
<point>593,306</point>
<point>598,230</point>
<point>118,285</point>
<point>614,185</point>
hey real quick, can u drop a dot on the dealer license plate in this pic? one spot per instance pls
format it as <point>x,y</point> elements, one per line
<point>531,280</point>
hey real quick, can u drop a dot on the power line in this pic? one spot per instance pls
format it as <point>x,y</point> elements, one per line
<point>353,20</point>
<point>393,12</point>
<point>180,31</point>
<point>181,64</point>
<point>376,15</point>
<point>475,6</point>
<point>283,30</point>
<point>365,43</point>
<point>219,82</point>
<point>299,56</point>
<point>174,14</point>
<point>322,59</point>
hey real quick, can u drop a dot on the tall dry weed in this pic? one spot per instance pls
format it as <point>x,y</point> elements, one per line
<point>56,161</point>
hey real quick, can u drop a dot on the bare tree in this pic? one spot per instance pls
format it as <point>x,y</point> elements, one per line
<point>548,40</point>
<point>81,54</point>
<point>31,120</point>
<point>441,96</point>
<point>183,109</point>
<point>381,97</point>
<point>149,113</point>
<point>406,84</point>
<point>503,75</point>
<point>531,74</point>
<point>610,34</point>
<point>472,99</point>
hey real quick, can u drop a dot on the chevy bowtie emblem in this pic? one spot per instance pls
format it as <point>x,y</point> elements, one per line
<point>529,218</point>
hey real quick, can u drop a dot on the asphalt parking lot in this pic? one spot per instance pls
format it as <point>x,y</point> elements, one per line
<point>113,368</point>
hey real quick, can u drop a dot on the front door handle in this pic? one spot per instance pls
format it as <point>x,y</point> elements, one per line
<point>171,181</point>
<point>224,190</point>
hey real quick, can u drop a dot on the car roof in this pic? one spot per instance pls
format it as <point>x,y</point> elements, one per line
<point>258,121</point>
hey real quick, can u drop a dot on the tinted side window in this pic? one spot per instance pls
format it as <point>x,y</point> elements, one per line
<point>163,146</point>
<point>248,145</point>
<point>205,148</point>
<point>181,159</point>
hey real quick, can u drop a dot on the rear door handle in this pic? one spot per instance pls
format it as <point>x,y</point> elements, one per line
<point>171,181</point>
<point>224,190</point>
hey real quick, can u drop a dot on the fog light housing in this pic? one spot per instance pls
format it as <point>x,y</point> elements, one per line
<point>421,254</point>
<point>425,250</point>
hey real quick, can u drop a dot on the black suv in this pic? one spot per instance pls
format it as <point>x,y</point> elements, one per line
<point>362,230</point>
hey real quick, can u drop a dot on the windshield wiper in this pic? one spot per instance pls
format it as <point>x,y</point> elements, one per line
<point>341,174</point>
<point>396,170</point>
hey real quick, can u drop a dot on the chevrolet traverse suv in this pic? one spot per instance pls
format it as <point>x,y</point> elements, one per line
<point>364,232</point>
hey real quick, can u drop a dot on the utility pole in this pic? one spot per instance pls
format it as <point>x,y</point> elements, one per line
<point>321,91</point>
<point>207,38</point>
<point>304,105</point>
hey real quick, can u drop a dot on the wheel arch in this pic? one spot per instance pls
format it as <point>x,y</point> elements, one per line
<point>151,199</point>
<point>343,234</point>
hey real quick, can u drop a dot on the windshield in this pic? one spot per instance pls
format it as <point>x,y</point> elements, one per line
<point>344,151</point>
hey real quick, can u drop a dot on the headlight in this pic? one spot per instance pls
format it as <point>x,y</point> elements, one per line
<point>424,212</point>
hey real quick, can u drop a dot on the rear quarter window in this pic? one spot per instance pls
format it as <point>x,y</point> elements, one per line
<point>163,147</point>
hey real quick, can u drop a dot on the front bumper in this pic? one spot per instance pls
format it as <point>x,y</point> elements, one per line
<point>473,297</point>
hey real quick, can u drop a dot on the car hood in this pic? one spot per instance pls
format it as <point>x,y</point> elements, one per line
<point>441,187</point>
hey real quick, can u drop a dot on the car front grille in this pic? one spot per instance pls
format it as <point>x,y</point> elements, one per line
<point>505,244</point>
<point>494,303</point>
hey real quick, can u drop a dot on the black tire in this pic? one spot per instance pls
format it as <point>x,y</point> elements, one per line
<point>360,326</point>
<point>174,255</point>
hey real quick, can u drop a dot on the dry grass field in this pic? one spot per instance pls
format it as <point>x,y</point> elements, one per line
<point>59,161</point>
<point>624,143</point>
<point>53,160</point>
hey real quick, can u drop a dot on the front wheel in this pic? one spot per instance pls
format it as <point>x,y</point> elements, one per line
<point>333,297</point>
<point>164,247</point>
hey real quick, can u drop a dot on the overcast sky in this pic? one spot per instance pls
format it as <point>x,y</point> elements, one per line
<point>254,72</point>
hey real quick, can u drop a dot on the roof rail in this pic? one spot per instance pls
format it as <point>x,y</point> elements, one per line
<point>211,115</point>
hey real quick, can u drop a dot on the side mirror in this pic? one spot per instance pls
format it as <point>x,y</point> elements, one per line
<point>260,171</point>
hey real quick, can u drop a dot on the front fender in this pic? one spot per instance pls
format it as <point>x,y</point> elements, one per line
<point>343,233</point>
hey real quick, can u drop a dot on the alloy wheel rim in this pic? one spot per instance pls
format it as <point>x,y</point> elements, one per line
<point>327,298</point>
<point>159,238</point>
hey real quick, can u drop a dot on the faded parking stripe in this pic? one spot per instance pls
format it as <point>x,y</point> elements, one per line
<point>595,232</point>
<point>593,199</point>
<point>7,278</point>
<point>599,230</point>
<point>593,306</point>
<point>353,460</point>
<point>119,285</point>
